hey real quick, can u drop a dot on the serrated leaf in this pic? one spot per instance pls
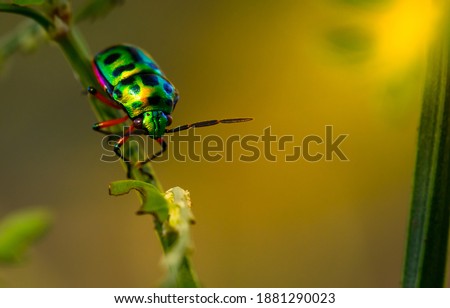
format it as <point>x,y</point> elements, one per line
<point>20,230</point>
<point>153,200</point>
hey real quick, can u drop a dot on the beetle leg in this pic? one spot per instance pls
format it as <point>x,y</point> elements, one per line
<point>121,142</point>
<point>207,123</point>
<point>117,149</point>
<point>163,145</point>
<point>103,99</point>
<point>100,125</point>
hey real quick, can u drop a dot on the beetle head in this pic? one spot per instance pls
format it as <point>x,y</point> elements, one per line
<point>155,123</point>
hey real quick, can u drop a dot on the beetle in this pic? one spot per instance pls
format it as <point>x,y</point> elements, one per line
<point>134,83</point>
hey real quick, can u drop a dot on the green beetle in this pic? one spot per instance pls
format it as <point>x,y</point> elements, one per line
<point>134,83</point>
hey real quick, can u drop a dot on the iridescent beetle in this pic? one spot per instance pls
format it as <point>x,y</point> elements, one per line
<point>134,83</point>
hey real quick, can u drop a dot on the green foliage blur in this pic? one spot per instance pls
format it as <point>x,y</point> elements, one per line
<point>18,231</point>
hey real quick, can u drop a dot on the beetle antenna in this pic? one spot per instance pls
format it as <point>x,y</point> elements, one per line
<point>207,123</point>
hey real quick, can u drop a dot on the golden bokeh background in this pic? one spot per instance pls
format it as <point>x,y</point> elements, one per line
<point>295,66</point>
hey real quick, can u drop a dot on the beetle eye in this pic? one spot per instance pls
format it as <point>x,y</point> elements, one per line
<point>169,119</point>
<point>137,122</point>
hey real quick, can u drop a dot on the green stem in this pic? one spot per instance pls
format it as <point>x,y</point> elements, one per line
<point>186,276</point>
<point>73,49</point>
<point>79,59</point>
<point>430,210</point>
<point>76,52</point>
<point>25,11</point>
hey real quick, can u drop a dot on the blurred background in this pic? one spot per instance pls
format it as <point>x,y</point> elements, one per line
<point>295,66</point>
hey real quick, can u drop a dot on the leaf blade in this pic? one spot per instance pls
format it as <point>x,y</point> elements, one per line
<point>19,231</point>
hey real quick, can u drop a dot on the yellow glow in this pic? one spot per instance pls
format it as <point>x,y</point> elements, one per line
<point>404,32</point>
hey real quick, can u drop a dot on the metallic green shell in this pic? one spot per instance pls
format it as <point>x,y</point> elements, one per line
<point>145,92</point>
<point>132,79</point>
<point>121,61</point>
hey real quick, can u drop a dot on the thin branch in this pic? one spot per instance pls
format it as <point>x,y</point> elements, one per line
<point>76,52</point>
<point>28,12</point>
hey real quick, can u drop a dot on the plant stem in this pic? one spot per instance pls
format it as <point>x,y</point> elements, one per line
<point>430,210</point>
<point>76,52</point>
<point>25,11</point>
<point>186,277</point>
<point>79,58</point>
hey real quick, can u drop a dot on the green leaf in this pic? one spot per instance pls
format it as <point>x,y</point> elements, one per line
<point>29,2</point>
<point>427,246</point>
<point>19,230</point>
<point>153,200</point>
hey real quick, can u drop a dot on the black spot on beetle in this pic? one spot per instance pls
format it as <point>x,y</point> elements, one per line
<point>153,100</point>
<point>168,88</point>
<point>111,58</point>
<point>135,89</point>
<point>128,81</point>
<point>118,71</point>
<point>136,105</point>
<point>117,93</point>
<point>150,80</point>
<point>135,55</point>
